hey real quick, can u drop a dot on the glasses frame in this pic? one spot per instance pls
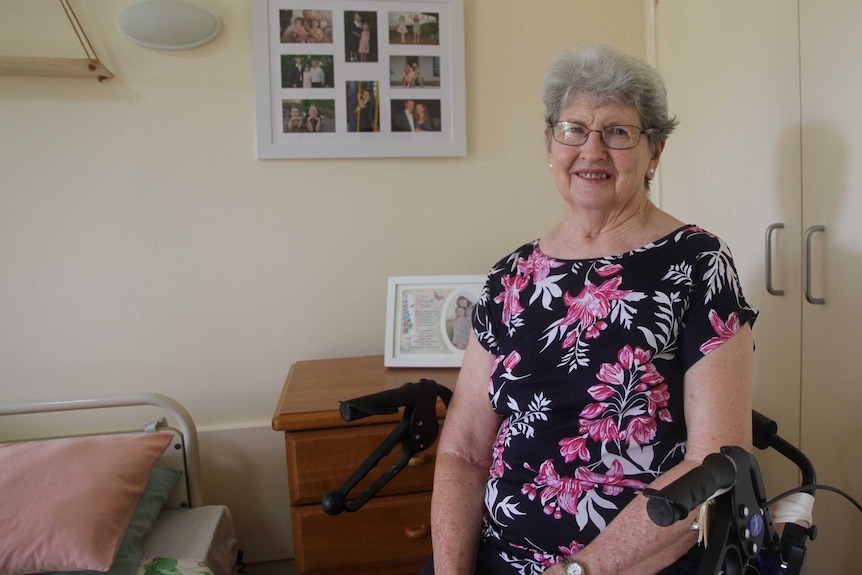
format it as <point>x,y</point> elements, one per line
<point>641,131</point>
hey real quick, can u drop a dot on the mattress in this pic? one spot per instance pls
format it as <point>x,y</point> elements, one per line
<point>195,536</point>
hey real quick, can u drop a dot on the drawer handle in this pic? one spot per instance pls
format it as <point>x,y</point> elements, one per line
<point>419,532</point>
<point>420,459</point>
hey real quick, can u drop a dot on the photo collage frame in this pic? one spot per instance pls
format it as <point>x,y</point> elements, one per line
<point>352,78</point>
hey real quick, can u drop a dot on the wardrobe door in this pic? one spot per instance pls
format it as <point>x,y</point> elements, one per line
<point>832,329</point>
<point>733,167</point>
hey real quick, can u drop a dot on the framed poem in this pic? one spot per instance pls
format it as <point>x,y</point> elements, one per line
<point>428,319</point>
<point>359,78</point>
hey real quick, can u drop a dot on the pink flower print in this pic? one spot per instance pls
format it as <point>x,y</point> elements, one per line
<point>498,465</point>
<point>631,386</point>
<point>573,548</point>
<point>657,397</point>
<point>589,304</point>
<point>613,481</point>
<point>636,357</point>
<point>511,295</point>
<point>539,265</point>
<point>609,270</point>
<point>612,373</point>
<point>640,429</point>
<point>604,429</point>
<point>497,362</point>
<point>572,448</point>
<point>693,229</point>
<point>724,330</point>
<point>592,332</point>
<point>558,493</point>
<point>511,361</point>
<point>639,360</point>
<point>595,330</point>
<point>601,391</point>
<point>547,559</point>
<point>593,302</point>
<point>649,374</point>
<point>542,558</point>
<point>593,410</point>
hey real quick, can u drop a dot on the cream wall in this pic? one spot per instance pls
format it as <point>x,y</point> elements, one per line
<point>144,247</point>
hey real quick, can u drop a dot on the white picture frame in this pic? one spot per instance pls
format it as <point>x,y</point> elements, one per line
<point>421,325</point>
<point>358,102</point>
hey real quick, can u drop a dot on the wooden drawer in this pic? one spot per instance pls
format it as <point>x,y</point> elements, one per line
<point>321,460</point>
<point>388,535</point>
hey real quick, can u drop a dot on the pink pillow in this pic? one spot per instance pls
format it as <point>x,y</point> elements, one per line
<point>67,502</point>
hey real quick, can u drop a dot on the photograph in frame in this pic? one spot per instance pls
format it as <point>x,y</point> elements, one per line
<point>399,51</point>
<point>414,28</point>
<point>413,71</point>
<point>307,71</point>
<point>305,26</point>
<point>415,115</point>
<point>360,36</point>
<point>308,116</point>
<point>428,319</point>
<point>363,107</point>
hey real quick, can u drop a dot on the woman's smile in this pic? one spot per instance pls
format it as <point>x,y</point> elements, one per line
<point>592,175</point>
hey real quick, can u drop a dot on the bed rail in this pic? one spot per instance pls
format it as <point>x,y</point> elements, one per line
<point>181,417</point>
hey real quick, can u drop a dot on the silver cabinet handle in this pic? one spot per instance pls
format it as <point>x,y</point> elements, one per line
<point>806,265</point>
<point>771,228</point>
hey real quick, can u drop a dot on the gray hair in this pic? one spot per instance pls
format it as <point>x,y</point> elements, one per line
<point>605,74</point>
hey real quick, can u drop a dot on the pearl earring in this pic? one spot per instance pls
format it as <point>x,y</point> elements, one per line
<point>550,166</point>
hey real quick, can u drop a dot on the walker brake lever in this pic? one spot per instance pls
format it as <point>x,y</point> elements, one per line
<point>742,526</point>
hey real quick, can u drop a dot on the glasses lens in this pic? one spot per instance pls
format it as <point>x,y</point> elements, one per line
<point>570,133</point>
<point>621,137</point>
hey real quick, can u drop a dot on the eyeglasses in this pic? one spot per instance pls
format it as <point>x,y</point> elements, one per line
<point>614,137</point>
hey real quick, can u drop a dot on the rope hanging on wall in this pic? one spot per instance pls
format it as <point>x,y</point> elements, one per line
<point>85,41</point>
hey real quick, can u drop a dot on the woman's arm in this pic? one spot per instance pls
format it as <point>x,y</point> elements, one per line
<point>718,391</point>
<point>463,460</point>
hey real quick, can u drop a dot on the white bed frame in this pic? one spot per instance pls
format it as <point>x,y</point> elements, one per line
<point>188,456</point>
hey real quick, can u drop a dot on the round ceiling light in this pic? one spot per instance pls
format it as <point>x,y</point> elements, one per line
<point>169,24</point>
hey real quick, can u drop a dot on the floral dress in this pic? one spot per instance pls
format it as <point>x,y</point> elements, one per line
<point>590,360</point>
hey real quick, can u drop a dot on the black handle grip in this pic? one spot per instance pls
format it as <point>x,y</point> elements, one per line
<point>422,394</point>
<point>763,430</point>
<point>380,403</point>
<point>674,502</point>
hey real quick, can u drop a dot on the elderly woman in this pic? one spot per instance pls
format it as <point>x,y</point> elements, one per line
<point>613,353</point>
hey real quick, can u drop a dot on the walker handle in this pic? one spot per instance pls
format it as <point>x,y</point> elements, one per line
<point>675,501</point>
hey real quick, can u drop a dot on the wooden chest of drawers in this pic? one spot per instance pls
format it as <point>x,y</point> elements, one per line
<point>390,534</point>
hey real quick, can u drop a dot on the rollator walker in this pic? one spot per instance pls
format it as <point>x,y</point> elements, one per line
<point>736,522</point>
